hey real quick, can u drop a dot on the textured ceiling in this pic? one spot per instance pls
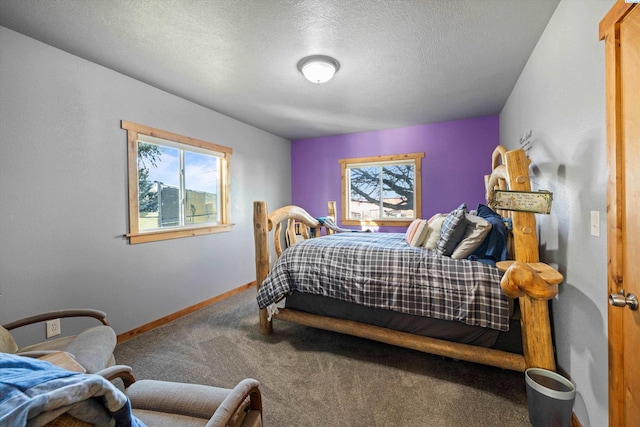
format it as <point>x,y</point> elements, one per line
<point>401,62</point>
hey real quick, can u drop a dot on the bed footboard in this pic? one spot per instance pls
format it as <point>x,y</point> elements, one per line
<point>264,223</point>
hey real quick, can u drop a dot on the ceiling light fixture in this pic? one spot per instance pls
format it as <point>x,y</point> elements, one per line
<point>318,68</point>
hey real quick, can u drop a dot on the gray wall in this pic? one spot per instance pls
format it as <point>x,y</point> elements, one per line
<point>560,99</point>
<point>63,192</point>
<point>60,134</point>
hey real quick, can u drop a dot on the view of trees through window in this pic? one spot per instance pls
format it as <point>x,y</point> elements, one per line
<point>176,187</point>
<point>382,190</point>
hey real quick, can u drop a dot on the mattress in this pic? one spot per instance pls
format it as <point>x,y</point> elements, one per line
<point>455,331</point>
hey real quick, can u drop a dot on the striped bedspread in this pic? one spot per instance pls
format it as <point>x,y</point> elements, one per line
<point>381,270</point>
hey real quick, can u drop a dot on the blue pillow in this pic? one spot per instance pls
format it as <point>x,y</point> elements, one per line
<point>494,246</point>
<point>453,230</point>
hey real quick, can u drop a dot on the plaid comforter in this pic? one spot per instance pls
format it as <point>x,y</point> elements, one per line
<point>381,270</point>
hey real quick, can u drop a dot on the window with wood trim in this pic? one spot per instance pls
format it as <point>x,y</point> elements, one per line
<point>178,186</point>
<point>381,190</point>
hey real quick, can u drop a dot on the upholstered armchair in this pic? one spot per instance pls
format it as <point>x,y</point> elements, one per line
<point>92,348</point>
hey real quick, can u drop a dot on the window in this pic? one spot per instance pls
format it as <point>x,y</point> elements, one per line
<point>382,190</point>
<point>178,186</point>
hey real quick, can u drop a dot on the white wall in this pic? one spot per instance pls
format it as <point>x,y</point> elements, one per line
<point>560,99</point>
<point>63,192</point>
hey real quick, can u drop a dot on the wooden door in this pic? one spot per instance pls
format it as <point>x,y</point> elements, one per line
<point>621,30</point>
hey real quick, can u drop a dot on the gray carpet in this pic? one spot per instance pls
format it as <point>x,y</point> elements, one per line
<point>311,377</point>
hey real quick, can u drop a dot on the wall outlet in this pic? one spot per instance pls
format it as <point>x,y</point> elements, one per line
<point>53,328</point>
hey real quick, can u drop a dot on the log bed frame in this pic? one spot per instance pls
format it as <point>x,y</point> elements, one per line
<point>533,282</point>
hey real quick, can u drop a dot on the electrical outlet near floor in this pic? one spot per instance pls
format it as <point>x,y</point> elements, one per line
<point>53,328</point>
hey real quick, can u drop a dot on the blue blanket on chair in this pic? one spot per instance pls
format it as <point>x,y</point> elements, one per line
<point>34,392</point>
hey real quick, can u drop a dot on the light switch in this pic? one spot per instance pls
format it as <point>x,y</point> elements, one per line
<point>595,223</point>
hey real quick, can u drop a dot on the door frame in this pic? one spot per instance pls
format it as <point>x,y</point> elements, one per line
<point>610,32</point>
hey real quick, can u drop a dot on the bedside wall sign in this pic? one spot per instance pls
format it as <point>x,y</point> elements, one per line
<point>524,201</point>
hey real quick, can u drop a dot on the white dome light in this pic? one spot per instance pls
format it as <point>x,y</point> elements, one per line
<point>318,68</point>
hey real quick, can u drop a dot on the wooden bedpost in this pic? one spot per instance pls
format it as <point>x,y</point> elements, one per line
<point>536,326</point>
<point>261,242</point>
<point>331,213</point>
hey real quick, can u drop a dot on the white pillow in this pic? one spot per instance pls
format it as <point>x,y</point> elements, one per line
<point>475,233</point>
<point>435,227</point>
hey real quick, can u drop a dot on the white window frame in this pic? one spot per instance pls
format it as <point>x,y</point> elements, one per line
<point>137,132</point>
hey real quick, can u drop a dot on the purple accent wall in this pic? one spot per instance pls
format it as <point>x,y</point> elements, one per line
<point>457,155</point>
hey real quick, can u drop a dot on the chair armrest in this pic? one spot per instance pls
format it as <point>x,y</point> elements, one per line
<point>36,354</point>
<point>123,372</point>
<point>218,405</point>
<point>235,398</point>
<point>50,315</point>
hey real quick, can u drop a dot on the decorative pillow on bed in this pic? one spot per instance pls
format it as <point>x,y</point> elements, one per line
<point>494,246</point>
<point>435,229</point>
<point>453,230</point>
<point>417,232</point>
<point>475,233</point>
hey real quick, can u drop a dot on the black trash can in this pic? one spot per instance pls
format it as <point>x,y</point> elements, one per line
<point>550,397</point>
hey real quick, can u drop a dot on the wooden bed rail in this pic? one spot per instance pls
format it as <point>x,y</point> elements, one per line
<point>455,350</point>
